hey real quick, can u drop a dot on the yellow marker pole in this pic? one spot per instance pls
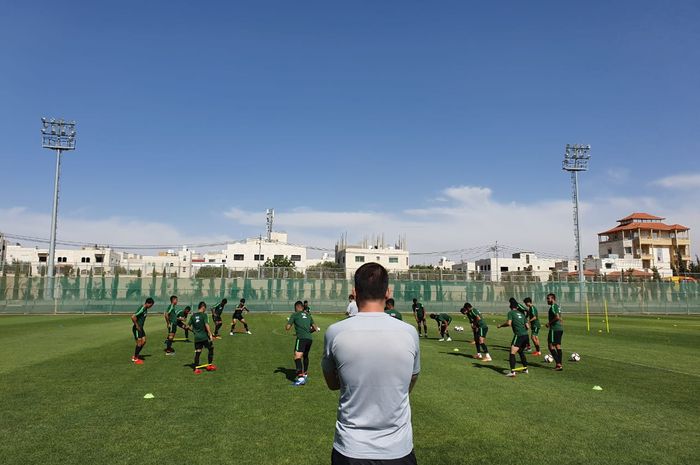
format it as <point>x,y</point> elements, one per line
<point>588,318</point>
<point>607,322</point>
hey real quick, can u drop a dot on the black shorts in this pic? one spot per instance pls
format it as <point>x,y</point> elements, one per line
<point>238,316</point>
<point>482,332</point>
<point>182,324</point>
<point>554,337</point>
<point>138,333</point>
<point>339,459</point>
<point>216,318</point>
<point>303,345</point>
<point>199,345</point>
<point>420,319</point>
<point>520,341</point>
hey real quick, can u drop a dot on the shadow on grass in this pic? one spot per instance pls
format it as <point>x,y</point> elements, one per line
<point>189,365</point>
<point>290,373</point>
<point>495,368</point>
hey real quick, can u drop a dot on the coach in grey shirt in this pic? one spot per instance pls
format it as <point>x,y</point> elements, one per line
<point>374,360</point>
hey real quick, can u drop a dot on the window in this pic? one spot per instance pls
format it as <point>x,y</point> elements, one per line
<point>84,260</point>
<point>42,259</point>
<point>628,250</point>
<point>359,258</point>
<point>296,258</point>
<point>211,260</point>
<point>223,261</point>
<point>504,268</point>
<point>238,257</point>
<point>393,259</point>
<point>259,257</point>
<point>609,251</point>
<point>608,266</point>
<point>99,258</point>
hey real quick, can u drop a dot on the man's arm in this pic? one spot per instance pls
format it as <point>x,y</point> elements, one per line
<point>287,327</point>
<point>136,323</point>
<point>414,378</point>
<point>507,323</point>
<point>332,380</point>
<point>211,337</point>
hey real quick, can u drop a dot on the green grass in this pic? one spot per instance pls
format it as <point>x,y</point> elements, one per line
<point>70,395</point>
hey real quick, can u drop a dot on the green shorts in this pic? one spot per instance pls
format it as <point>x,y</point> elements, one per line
<point>138,334</point>
<point>554,336</point>
<point>173,327</point>
<point>482,331</point>
<point>535,330</point>
<point>520,341</point>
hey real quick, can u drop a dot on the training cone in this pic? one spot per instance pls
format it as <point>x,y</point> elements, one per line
<point>597,388</point>
<point>149,396</point>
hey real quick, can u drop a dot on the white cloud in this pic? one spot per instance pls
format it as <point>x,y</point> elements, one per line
<point>679,181</point>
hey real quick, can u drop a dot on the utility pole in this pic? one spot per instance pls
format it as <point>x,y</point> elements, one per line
<point>576,159</point>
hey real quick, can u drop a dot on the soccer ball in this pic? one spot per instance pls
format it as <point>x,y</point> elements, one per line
<point>575,357</point>
<point>548,358</point>
<point>459,329</point>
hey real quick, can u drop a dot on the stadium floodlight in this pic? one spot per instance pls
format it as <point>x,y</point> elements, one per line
<point>576,159</point>
<point>58,135</point>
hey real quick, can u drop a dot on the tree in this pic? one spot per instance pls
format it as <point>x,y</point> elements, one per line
<point>422,267</point>
<point>656,276</point>
<point>323,266</point>
<point>279,262</point>
<point>209,272</point>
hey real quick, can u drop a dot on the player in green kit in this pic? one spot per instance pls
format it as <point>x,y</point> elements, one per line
<point>518,322</point>
<point>139,319</point>
<point>391,311</point>
<point>419,315</point>
<point>182,317</point>
<point>304,327</point>
<point>170,316</point>
<point>556,331</point>
<point>216,312</point>
<point>238,315</point>
<point>480,329</point>
<point>443,321</point>
<point>199,323</point>
<point>534,320</point>
<point>307,307</point>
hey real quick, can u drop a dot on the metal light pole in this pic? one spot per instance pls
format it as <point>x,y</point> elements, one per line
<point>58,135</point>
<point>576,159</point>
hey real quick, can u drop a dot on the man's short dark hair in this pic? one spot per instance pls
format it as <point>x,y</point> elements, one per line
<point>433,316</point>
<point>149,301</point>
<point>467,305</point>
<point>527,300</point>
<point>187,309</point>
<point>224,301</point>
<point>173,297</point>
<point>351,297</point>
<point>298,303</point>
<point>415,301</point>
<point>391,302</point>
<point>242,301</point>
<point>553,296</point>
<point>371,282</point>
<point>202,304</point>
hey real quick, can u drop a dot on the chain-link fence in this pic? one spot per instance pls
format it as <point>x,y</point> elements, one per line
<point>122,294</point>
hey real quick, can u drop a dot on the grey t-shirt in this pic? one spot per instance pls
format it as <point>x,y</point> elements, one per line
<point>375,356</point>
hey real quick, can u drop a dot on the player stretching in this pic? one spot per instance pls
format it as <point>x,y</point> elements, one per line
<point>419,314</point>
<point>216,317</point>
<point>199,322</point>
<point>556,331</point>
<point>238,315</point>
<point>307,307</point>
<point>481,329</point>
<point>534,320</point>
<point>139,318</point>
<point>443,321</point>
<point>171,321</point>
<point>304,327</point>
<point>518,322</point>
<point>182,316</point>
<point>389,309</point>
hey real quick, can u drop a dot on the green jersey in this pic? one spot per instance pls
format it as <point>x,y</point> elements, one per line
<point>481,323</point>
<point>532,313</point>
<point>517,322</point>
<point>419,310</point>
<point>172,313</point>
<point>302,322</point>
<point>218,309</point>
<point>307,309</point>
<point>180,314</point>
<point>444,318</point>
<point>198,322</point>
<point>394,313</point>
<point>555,311</point>
<point>141,315</point>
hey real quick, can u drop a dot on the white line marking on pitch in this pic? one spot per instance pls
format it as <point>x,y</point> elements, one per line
<point>647,366</point>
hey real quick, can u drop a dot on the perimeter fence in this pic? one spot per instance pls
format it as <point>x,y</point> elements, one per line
<point>119,294</point>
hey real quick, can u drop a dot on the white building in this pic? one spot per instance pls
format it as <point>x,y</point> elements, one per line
<point>467,267</point>
<point>173,263</point>
<point>96,258</point>
<point>523,263</point>
<point>611,264</point>
<point>351,257</point>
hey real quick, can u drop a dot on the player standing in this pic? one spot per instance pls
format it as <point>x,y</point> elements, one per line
<point>556,331</point>
<point>238,315</point>
<point>199,322</point>
<point>171,321</point>
<point>216,313</point>
<point>534,320</point>
<point>304,327</point>
<point>307,307</point>
<point>138,319</point>
<point>352,306</point>
<point>518,323</point>
<point>480,329</point>
<point>419,315</point>
<point>391,311</point>
<point>443,321</point>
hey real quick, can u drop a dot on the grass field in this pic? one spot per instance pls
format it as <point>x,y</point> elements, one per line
<point>71,395</point>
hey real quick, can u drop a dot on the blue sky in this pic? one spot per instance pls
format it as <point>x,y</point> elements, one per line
<point>445,121</point>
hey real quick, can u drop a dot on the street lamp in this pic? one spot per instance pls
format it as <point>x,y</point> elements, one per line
<point>58,135</point>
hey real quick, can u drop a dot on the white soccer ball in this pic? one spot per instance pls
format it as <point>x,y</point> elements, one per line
<point>548,358</point>
<point>575,357</point>
<point>459,329</point>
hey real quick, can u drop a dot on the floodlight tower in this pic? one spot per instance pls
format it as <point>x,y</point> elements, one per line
<point>58,135</point>
<point>575,160</point>
<point>270,220</point>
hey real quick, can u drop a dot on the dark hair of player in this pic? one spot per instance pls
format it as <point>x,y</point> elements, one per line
<point>433,316</point>
<point>415,301</point>
<point>187,309</point>
<point>553,296</point>
<point>149,301</point>
<point>242,301</point>
<point>390,302</point>
<point>371,282</point>
<point>298,303</point>
<point>351,297</point>
<point>172,297</point>
<point>306,302</point>
<point>224,301</point>
<point>203,305</point>
<point>527,300</point>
